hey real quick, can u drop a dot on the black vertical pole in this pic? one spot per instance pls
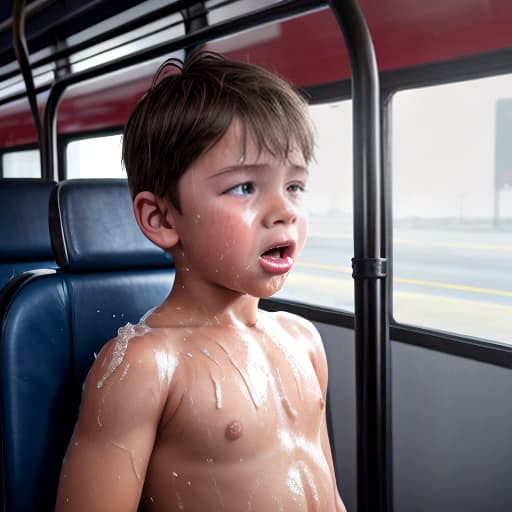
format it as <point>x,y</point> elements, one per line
<point>21,51</point>
<point>369,269</point>
<point>195,18</point>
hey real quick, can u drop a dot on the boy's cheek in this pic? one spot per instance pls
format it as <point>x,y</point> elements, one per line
<point>303,234</point>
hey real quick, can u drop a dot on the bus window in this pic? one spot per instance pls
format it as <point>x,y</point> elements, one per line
<point>21,164</point>
<point>452,207</point>
<point>95,157</point>
<point>322,275</point>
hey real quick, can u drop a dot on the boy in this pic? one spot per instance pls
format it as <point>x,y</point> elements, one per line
<point>210,404</point>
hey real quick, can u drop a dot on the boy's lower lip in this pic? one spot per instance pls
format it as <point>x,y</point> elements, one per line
<point>276,265</point>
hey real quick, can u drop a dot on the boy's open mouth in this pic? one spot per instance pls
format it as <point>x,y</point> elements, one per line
<point>277,259</point>
<point>276,252</point>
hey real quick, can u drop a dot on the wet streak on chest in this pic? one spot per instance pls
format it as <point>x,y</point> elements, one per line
<point>241,392</point>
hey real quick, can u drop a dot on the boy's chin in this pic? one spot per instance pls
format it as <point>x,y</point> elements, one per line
<point>269,288</point>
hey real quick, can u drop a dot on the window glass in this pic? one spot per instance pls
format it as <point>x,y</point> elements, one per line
<point>95,157</point>
<point>219,10</point>
<point>151,34</point>
<point>42,74</point>
<point>21,164</point>
<point>452,207</point>
<point>323,275</point>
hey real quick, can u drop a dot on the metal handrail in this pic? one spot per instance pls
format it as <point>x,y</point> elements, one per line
<point>281,10</point>
<point>369,269</point>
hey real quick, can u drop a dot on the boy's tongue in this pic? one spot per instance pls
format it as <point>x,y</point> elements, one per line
<point>273,253</point>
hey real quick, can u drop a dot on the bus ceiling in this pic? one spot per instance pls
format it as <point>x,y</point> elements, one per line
<point>401,30</point>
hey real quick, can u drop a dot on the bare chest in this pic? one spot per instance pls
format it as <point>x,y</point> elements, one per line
<point>243,401</point>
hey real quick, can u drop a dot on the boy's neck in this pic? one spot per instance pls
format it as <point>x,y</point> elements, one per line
<point>193,303</point>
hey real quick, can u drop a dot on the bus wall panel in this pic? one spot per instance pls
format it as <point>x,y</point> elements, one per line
<point>452,419</point>
<point>339,347</point>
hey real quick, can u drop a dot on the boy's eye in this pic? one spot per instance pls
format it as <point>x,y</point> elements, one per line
<point>296,188</point>
<point>243,189</point>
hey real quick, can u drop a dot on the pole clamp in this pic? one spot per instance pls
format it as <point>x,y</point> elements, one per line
<point>369,268</point>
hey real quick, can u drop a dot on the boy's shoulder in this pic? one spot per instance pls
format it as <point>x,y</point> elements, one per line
<point>296,323</point>
<point>304,331</point>
<point>300,328</point>
<point>138,349</point>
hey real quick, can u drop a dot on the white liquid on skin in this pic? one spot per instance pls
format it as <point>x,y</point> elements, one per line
<point>124,335</point>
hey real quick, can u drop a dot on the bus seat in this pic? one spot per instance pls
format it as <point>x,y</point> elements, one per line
<point>25,238</point>
<point>53,323</point>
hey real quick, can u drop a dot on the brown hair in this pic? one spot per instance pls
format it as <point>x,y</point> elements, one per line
<point>185,114</point>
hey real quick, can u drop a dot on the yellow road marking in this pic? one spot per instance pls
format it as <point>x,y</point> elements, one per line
<point>456,245</point>
<point>426,243</point>
<point>420,282</point>
<point>448,286</point>
<point>486,320</point>
<point>323,266</point>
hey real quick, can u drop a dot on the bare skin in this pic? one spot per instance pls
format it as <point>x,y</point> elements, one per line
<point>212,404</point>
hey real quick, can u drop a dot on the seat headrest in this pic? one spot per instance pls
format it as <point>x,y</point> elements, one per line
<point>93,227</point>
<point>24,219</point>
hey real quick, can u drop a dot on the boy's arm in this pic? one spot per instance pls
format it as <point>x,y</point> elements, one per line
<point>107,457</point>
<point>319,361</point>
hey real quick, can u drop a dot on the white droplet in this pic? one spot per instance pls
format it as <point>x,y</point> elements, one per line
<point>166,365</point>
<point>295,481</point>
<point>125,371</point>
<point>218,393</point>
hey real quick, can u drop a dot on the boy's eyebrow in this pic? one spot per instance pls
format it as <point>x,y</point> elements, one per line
<point>242,167</point>
<point>236,167</point>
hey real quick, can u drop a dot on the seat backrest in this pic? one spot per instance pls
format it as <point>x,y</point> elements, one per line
<point>24,235</point>
<point>54,323</point>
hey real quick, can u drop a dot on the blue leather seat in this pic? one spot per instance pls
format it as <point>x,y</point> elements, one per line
<point>54,322</point>
<point>24,235</point>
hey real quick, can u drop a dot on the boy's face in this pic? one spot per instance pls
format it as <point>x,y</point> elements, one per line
<point>243,220</point>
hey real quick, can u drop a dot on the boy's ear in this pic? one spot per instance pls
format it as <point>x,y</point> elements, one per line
<point>155,219</point>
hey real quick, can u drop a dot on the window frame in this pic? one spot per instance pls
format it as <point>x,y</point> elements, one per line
<point>473,67</point>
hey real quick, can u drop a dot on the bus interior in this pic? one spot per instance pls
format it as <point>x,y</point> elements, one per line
<point>407,271</point>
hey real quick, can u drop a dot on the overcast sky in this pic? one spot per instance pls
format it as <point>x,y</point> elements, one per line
<point>443,151</point>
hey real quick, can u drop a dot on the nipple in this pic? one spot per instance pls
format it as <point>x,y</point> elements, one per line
<point>233,430</point>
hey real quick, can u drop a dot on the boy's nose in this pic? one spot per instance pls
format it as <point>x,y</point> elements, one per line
<point>279,211</point>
